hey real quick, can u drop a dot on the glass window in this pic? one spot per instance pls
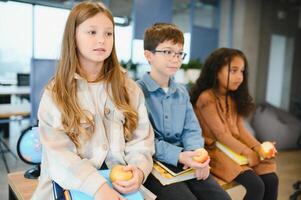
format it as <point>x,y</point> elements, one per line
<point>123,42</point>
<point>138,52</point>
<point>49,27</point>
<point>205,15</point>
<point>186,47</point>
<point>16,38</point>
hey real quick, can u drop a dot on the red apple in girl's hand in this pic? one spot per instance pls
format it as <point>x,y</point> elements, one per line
<point>119,174</point>
<point>267,150</point>
<point>202,155</point>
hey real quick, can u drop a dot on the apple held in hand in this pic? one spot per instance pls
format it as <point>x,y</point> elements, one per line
<point>267,150</point>
<point>119,174</point>
<point>202,155</point>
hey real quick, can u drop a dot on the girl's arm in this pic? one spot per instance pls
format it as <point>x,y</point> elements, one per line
<point>59,152</point>
<point>245,136</point>
<point>206,106</point>
<point>139,150</point>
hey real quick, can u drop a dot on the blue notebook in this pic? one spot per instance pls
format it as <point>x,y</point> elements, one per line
<point>77,195</point>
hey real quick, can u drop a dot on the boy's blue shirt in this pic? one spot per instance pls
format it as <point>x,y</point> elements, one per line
<point>171,114</point>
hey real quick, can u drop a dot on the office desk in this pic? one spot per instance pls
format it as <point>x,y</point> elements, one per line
<point>14,90</point>
<point>5,97</point>
<point>9,110</point>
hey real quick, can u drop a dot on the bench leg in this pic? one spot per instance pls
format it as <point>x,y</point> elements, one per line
<point>11,194</point>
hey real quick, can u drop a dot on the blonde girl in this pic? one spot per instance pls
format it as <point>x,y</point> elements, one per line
<point>91,115</point>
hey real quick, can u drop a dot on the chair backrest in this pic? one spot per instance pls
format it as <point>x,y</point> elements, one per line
<point>23,79</point>
<point>42,70</point>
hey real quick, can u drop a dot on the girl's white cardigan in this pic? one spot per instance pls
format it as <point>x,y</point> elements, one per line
<point>76,169</point>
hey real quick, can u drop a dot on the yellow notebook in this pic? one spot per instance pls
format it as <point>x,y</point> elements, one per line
<point>239,159</point>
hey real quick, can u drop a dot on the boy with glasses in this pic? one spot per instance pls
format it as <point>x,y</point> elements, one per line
<point>177,131</point>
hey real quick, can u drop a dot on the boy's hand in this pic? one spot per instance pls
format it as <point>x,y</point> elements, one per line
<point>202,173</point>
<point>131,185</point>
<point>105,192</point>
<point>186,158</point>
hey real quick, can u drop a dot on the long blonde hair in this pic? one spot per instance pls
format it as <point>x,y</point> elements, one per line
<point>64,89</point>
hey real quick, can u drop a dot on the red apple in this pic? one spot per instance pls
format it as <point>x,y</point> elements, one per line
<point>202,155</point>
<point>118,173</point>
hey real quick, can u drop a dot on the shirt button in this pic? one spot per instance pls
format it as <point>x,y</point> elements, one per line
<point>177,135</point>
<point>107,110</point>
<point>105,147</point>
<point>168,134</point>
<point>166,116</point>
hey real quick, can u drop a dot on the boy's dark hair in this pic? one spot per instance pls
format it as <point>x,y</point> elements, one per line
<point>160,32</point>
<point>208,79</point>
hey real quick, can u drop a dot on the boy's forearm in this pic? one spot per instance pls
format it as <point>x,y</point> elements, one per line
<point>167,152</point>
<point>193,140</point>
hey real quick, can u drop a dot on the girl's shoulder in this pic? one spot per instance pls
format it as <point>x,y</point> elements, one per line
<point>131,85</point>
<point>206,98</point>
<point>207,95</point>
<point>133,89</point>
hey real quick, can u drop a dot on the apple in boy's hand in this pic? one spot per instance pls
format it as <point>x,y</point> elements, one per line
<point>202,155</point>
<point>267,150</point>
<point>119,174</point>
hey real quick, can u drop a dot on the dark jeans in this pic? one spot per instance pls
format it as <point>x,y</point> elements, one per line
<point>187,190</point>
<point>263,187</point>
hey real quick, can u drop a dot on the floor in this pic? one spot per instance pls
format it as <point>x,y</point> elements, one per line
<point>289,171</point>
<point>289,168</point>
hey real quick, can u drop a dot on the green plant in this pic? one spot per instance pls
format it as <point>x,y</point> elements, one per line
<point>192,64</point>
<point>130,66</point>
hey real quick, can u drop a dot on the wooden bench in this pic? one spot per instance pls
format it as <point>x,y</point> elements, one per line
<point>21,188</point>
<point>225,185</point>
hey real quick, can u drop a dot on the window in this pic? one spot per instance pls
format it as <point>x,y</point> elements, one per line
<point>123,42</point>
<point>49,24</point>
<point>37,31</point>
<point>16,38</point>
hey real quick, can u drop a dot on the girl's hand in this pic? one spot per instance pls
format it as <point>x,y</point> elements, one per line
<point>202,173</point>
<point>107,193</point>
<point>186,158</point>
<point>131,185</point>
<point>252,156</point>
<point>267,150</point>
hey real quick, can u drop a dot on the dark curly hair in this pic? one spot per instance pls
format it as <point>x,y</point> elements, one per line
<point>208,80</point>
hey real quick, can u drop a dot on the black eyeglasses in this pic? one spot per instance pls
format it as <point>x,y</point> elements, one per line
<point>170,53</point>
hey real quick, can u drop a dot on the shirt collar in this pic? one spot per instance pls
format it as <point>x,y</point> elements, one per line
<point>152,85</point>
<point>78,77</point>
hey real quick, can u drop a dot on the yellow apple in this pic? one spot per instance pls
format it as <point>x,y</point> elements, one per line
<point>202,155</point>
<point>119,174</point>
<point>267,150</point>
